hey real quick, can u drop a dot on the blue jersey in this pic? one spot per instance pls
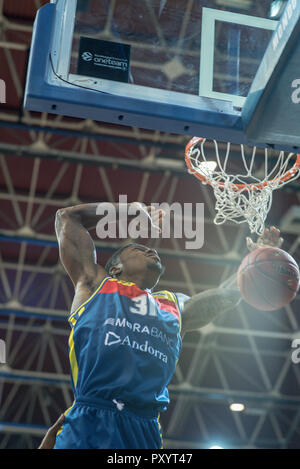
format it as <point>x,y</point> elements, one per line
<point>124,345</point>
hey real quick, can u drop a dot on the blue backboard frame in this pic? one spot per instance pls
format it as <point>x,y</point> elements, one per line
<point>209,18</point>
<point>211,118</point>
<point>43,95</point>
<point>270,113</point>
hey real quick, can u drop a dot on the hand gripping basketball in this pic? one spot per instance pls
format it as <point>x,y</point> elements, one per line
<point>270,237</point>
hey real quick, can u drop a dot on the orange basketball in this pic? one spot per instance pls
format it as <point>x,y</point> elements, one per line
<point>268,278</point>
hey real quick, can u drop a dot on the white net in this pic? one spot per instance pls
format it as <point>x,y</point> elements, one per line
<point>246,196</point>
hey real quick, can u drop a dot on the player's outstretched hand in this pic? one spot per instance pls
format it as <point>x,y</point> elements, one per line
<point>156,216</point>
<point>270,237</point>
<point>152,215</point>
<point>50,437</point>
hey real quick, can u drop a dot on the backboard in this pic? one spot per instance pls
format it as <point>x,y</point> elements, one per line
<point>182,66</point>
<point>176,49</point>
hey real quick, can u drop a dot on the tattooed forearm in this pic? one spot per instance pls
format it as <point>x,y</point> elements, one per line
<point>204,307</point>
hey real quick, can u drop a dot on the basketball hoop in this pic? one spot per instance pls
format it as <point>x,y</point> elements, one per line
<point>244,197</point>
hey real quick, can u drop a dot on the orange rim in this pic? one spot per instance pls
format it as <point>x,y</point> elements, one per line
<point>195,140</point>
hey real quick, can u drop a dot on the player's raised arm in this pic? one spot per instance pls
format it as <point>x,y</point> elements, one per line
<point>203,308</point>
<point>76,247</point>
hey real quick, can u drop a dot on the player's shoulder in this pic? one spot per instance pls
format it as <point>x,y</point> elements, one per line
<point>182,298</point>
<point>178,297</point>
<point>164,294</point>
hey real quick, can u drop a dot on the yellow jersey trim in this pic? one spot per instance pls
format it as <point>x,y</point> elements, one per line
<point>160,431</point>
<point>93,294</point>
<point>171,297</point>
<point>65,413</point>
<point>73,320</point>
<point>73,359</point>
<point>179,312</point>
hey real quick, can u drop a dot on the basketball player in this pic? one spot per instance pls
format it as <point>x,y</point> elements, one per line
<point>125,340</point>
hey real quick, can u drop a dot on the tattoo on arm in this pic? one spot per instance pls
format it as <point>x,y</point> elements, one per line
<point>204,307</point>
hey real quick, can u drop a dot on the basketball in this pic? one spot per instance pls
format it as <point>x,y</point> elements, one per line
<point>268,278</point>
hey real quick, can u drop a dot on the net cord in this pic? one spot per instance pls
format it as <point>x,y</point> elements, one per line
<point>236,199</point>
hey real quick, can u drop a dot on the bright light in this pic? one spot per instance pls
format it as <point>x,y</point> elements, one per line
<point>207,167</point>
<point>216,447</point>
<point>236,407</point>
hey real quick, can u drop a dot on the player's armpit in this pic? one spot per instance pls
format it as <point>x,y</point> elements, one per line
<point>204,307</point>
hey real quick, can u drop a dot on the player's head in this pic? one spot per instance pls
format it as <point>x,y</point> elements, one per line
<point>136,263</point>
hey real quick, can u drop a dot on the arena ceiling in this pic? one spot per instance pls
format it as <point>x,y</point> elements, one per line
<point>48,162</point>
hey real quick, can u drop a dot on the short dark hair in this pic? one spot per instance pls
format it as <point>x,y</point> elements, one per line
<point>115,258</point>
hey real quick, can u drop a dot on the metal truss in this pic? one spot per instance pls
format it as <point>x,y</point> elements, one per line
<point>244,356</point>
